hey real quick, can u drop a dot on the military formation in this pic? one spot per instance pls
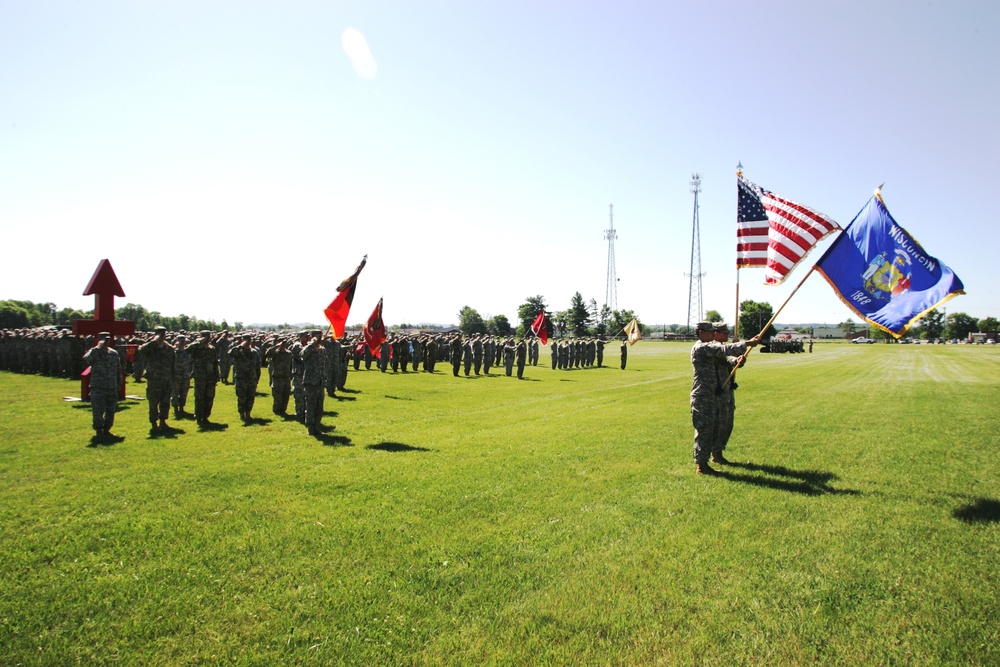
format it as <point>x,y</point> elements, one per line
<point>713,400</point>
<point>303,368</point>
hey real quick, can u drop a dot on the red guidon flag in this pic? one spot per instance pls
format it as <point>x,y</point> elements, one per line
<point>540,328</point>
<point>340,307</point>
<point>374,331</point>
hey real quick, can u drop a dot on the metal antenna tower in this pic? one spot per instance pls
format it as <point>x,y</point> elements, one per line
<point>694,286</point>
<point>611,293</point>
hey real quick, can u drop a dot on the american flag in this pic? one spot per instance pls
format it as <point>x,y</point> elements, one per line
<point>773,232</point>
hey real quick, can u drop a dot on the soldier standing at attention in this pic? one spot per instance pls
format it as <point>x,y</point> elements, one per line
<point>521,355</point>
<point>477,353</point>
<point>706,355</point>
<point>727,397</point>
<point>508,357</point>
<point>246,374</point>
<point>624,354</point>
<point>183,367</point>
<point>279,365</point>
<point>314,381</point>
<point>456,354</point>
<point>205,371</point>
<point>222,344</point>
<point>298,389</point>
<point>160,361</point>
<point>467,356</point>
<point>600,351</point>
<point>105,378</point>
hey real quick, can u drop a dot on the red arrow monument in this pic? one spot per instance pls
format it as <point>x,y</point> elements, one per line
<point>105,287</point>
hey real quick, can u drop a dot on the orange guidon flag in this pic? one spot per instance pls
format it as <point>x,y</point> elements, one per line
<point>338,310</point>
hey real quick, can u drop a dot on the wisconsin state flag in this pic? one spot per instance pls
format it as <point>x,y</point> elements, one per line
<point>881,273</point>
<point>374,331</point>
<point>338,310</point>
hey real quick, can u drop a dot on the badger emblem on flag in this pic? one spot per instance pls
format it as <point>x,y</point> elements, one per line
<point>885,279</point>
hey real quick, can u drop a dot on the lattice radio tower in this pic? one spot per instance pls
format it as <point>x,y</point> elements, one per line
<point>611,293</point>
<point>694,286</point>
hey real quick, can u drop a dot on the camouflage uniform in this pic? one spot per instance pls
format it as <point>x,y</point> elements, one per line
<point>205,371</point>
<point>279,366</point>
<point>456,355</point>
<point>246,375</point>
<point>508,358</point>
<point>625,354</point>
<point>314,381</point>
<point>298,389</point>
<point>477,353</point>
<point>521,354</point>
<point>160,360</point>
<point>705,390</point>
<point>183,367</point>
<point>222,344</point>
<point>105,378</point>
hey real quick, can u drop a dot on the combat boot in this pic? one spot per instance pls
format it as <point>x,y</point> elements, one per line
<point>705,469</point>
<point>717,457</point>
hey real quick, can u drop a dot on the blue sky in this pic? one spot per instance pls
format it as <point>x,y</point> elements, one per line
<point>233,162</point>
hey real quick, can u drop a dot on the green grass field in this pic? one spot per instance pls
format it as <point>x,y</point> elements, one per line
<point>488,521</point>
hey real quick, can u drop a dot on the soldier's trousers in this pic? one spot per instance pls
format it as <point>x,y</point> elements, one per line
<point>103,405</point>
<point>204,398</point>
<point>246,393</point>
<point>299,393</point>
<point>520,370</point>
<point>158,397</point>
<point>727,414</point>
<point>314,405</point>
<point>179,395</point>
<point>705,417</point>
<point>280,389</point>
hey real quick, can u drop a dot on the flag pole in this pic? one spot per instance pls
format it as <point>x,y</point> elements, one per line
<point>736,319</point>
<point>769,323</point>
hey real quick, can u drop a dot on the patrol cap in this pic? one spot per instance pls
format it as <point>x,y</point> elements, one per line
<point>721,327</point>
<point>159,329</point>
<point>103,335</point>
<point>204,332</point>
<point>704,326</point>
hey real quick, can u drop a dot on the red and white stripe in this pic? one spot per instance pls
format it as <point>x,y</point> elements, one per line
<point>792,230</point>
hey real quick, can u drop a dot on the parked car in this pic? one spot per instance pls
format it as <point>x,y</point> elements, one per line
<point>863,340</point>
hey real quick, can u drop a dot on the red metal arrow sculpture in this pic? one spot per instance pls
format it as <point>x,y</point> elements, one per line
<point>105,287</point>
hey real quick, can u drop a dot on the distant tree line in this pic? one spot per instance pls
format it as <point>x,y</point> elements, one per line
<point>25,314</point>
<point>582,319</point>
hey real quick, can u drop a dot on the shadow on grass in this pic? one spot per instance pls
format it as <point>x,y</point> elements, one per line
<point>981,510</point>
<point>397,447</point>
<point>780,478</point>
<point>338,397</point>
<point>349,391</point>
<point>258,421</point>
<point>328,439</point>
<point>398,398</point>
<point>213,426</point>
<point>168,432</point>
<point>105,440</point>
